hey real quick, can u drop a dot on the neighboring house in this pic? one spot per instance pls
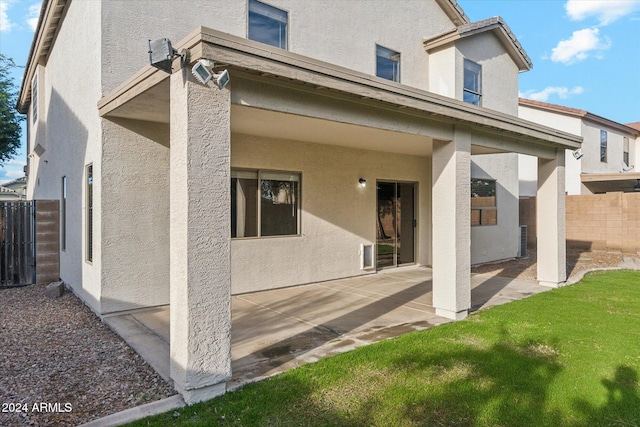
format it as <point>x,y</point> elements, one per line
<point>342,144</point>
<point>610,151</point>
<point>14,190</point>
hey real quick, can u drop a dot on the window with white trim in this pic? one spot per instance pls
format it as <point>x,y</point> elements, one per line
<point>264,203</point>
<point>625,151</point>
<point>387,64</point>
<point>603,146</point>
<point>89,213</point>
<point>268,24</point>
<point>34,98</point>
<point>63,215</point>
<point>472,91</point>
<point>484,209</point>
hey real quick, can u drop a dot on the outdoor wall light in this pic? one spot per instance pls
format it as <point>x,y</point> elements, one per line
<point>161,54</point>
<point>578,154</point>
<point>363,182</point>
<point>202,72</point>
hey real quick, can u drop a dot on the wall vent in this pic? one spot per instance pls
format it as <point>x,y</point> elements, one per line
<point>522,250</point>
<point>366,256</point>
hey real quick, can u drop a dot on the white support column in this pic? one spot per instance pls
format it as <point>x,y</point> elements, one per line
<point>200,294</point>
<point>550,221</point>
<point>451,212</point>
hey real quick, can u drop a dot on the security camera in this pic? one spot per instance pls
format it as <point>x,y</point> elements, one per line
<point>578,154</point>
<point>201,72</point>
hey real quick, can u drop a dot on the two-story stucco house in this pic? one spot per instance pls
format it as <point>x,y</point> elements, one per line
<point>608,160</point>
<point>342,145</point>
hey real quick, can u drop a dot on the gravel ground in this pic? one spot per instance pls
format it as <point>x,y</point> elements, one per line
<point>525,268</point>
<point>57,351</point>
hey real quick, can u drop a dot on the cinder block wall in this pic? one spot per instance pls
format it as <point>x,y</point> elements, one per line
<point>599,221</point>
<point>47,241</point>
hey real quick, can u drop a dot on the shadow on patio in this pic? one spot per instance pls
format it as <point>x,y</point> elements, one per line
<point>276,330</point>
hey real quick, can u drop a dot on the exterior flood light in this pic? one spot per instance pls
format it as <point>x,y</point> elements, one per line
<point>363,182</point>
<point>578,154</point>
<point>161,54</point>
<point>201,71</point>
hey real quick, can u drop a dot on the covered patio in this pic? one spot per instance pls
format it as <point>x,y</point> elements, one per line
<point>273,331</point>
<point>328,126</point>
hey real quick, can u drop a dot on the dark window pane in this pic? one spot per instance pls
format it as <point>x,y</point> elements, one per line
<point>279,207</point>
<point>603,146</point>
<point>90,213</point>
<point>472,89</point>
<point>471,98</point>
<point>387,64</point>
<point>267,24</point>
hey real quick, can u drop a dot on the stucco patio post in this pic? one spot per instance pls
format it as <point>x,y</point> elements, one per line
<point>451,212</point>
<point>552,251</point>
<point>200,294</point>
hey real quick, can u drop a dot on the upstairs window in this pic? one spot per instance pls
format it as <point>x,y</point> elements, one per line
<point>484,210</point>
<point>34,98</point>
<point>387,64</point>
<point>603,146</point>
<point>89,213</point>
<point>625,151</point>
<point>267,24</point>
<point>472,92</point>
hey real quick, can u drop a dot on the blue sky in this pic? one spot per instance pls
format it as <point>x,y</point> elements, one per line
<point>585,52</point>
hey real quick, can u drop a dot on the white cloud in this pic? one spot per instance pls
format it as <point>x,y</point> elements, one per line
<point>32,16</point>
<point>5,22</point>
<point>14,174</point>
<point>543,95</point>
<point>578,47</point>
<point>606,11</point>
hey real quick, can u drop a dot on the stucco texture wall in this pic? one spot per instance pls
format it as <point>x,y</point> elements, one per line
<point>315,29</point>
<point>499,72</point>
<point>495,242</point>
<point>135,212</point>
<point>70,90</point>
<point>337,214</point>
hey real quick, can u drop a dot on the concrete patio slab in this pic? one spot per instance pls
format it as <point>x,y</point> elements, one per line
<point>276,330</point>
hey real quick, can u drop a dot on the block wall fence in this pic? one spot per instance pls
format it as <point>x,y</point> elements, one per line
<point>608,221</point>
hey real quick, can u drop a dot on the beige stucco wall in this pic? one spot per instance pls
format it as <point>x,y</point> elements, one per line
<point>501,241</point>
<point>337,214</point>
<point>591,148</point>
<point>340,32</point>
<point>69,92</point>
<point>135,211</point>
<point>442,71</point>
<point>499,72</point>
<point>590,162</point>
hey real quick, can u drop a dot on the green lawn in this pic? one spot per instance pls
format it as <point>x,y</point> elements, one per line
<point>567,357</point>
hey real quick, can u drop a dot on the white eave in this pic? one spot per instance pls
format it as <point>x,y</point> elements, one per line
<point>51,16</point>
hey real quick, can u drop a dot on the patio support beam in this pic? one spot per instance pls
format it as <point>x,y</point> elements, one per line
<point>200,276</point>
<point>451,205</point>
<point>550,217</point>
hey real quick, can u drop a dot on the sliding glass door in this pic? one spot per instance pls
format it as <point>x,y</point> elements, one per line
<point>396,224</point>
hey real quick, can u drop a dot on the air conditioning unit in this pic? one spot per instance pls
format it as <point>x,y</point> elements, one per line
<point>366,256</point>
<point>522,250</point>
